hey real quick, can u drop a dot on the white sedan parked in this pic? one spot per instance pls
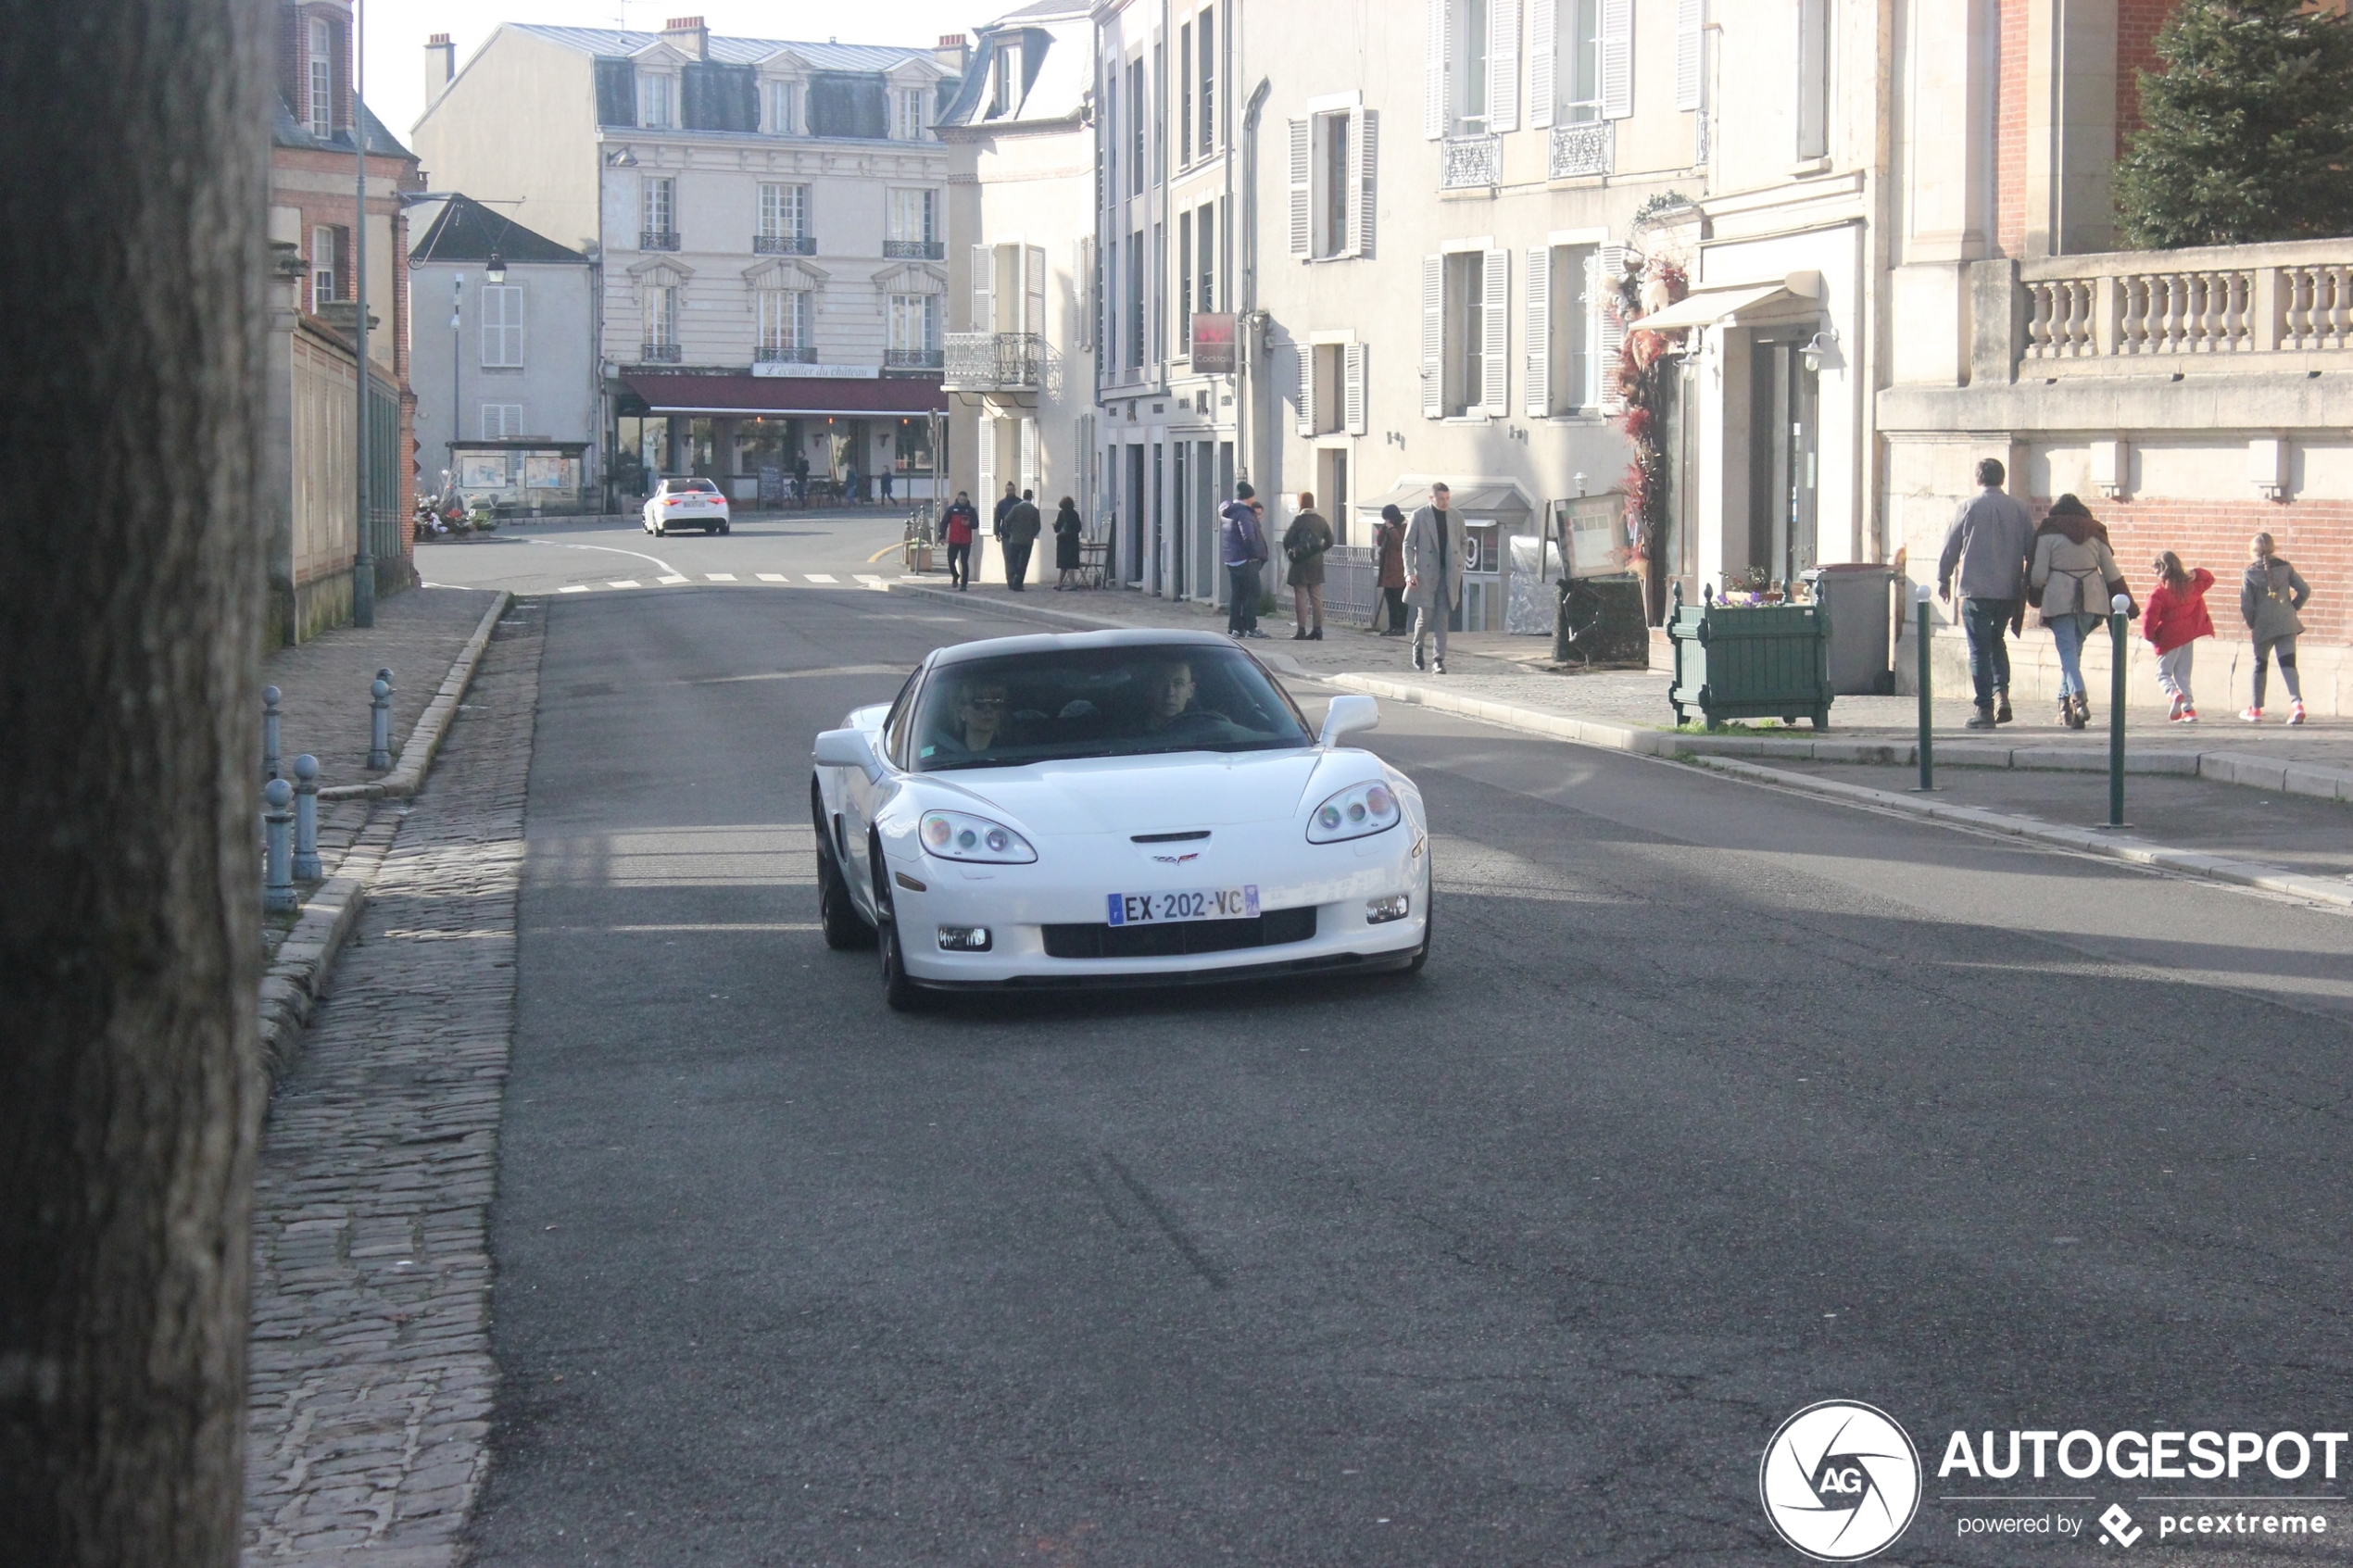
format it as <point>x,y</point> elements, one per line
<point>1115,808</point>
<point>685,503</point>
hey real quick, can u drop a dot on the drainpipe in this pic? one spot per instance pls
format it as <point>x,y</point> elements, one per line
<point>1249,323</point>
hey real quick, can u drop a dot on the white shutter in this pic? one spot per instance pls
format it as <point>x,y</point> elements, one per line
<point>1434,71</point>
<point>1087,305</point>
<point>1542,41</point>
<point>1618,59</point>
<point>1033,289</point>
<point>1028,455</point>
<point>1540,332</point>
<point>1301,167</point>
<point>1351,397</point>
<point>1503,64</point>
<point>1609,327</point>
<point>984,288</point>
<point>1363,137</point>
<point>1495,303</point>
<point>1690,16</point>
<point>1433,336</point>
<point>985,449</point>
<point>1304,385</point>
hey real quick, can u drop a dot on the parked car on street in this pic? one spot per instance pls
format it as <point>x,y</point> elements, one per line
<point>1113,808</point>
<point>686,503</point>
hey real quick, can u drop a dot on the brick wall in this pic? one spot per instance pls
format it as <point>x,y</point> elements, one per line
<point>2316,535</point>
<point>2136,26</point>
<point>2009,135</point>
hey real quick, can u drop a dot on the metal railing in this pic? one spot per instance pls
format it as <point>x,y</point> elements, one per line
<point>657,354</point>
<point>2135,311</point>
<point>784,245</point>
<point>651,239</point>
<point>1576,150</point>
<point>1466,161</point>
<point>914,250</point>
<point>805,354</point>
<point>993,361</point>
<point>913,358</point>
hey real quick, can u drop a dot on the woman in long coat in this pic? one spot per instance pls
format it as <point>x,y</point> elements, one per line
<point>1067,529</point>
<point>1389,541</point>
<point>1304,543</point>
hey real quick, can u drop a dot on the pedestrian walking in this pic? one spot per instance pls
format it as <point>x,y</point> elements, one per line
<point>800,477</point>
<point>1021,529</point>
<point>1242,549</point>
<point>2073,577</point>
<point>853,485</point>
<point>958,525</point>
<point>1068,528</point>
<point>1433,573</point>
<point>1988,543</point>
<point>883,479</point>
<point>1005,504</point>
<point>2270,595</point>
<point>2175,620</point>
<point>1304,543</point>
<point>1389,543</point>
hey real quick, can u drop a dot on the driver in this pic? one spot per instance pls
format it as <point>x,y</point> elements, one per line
<point>975,719</point>
<point>1168,696</point>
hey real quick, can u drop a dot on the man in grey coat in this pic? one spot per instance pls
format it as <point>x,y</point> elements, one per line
<point>1990,543</point>
<point>1433,572</point>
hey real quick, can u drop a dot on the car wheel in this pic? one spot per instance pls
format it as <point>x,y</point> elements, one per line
<point>1430,925</point>
<point>661,529</point>
<point>898,990</point>
<point>844,926</point>
<point>722,528</point>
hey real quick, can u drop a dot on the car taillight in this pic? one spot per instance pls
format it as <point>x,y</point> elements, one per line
<point>675,501</point>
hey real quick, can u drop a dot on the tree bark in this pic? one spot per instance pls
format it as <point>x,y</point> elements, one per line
<point>130,571</point>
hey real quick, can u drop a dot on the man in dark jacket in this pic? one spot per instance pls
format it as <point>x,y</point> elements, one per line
<point>957,526</point>
<point>1005,505</point>
<point>1019,528</point>
<point>1990,543</point>
<point>1241,547</point>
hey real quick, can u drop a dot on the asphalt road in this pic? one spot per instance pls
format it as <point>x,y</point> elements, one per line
<point>1714,1102</point>
<point>593,556</point>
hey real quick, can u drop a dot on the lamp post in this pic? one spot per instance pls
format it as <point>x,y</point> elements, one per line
<point>1928,728</point>
<point>363,565</point>
<point>2120,613</point>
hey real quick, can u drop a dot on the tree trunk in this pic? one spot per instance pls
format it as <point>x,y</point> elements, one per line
<point>132,264</point>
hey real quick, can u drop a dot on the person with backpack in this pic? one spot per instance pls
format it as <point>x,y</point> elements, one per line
<point>2073,579</point>
<point>958,525</point>
<point>2270,595</point>
<point>2176,618</point>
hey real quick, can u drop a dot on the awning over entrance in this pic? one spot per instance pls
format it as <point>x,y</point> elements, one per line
<point>1487,500</point>
<point>1739,307</point>
<point>891,396</point>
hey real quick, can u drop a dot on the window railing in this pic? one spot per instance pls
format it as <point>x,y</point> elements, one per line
<point>2133,312</point>
<point>914,250</point>
<point>805,354</point>
<point>657,354</point>
<point>913,358</point>
<point>1467,162</point>
<point>784,245</point>
<point>993,361</point>
<point>657,239</point>
<point>1587,148</point>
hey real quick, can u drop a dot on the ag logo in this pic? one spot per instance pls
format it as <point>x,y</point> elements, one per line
<point>1840,1480</point>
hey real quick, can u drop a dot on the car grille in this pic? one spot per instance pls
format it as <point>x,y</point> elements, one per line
<point>1177,938</point>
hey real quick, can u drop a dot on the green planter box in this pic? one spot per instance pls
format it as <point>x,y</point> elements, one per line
<point>1751,661</point>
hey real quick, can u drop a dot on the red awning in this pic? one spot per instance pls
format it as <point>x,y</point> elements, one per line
<point>892,396</point>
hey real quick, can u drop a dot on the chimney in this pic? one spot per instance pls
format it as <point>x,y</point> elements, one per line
<point>688,34</point>
<point>952,52</point>
<point>441,67</point>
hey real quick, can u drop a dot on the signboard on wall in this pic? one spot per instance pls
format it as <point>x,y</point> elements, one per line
<point>1213,343</point>
<point>1591,530</point>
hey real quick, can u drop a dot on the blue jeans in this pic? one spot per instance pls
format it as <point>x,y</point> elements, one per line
<point>2071,631</point>
<point>1241,608</point>
<point>1987,623</point>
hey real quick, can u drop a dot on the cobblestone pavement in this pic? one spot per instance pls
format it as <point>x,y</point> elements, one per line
<point>372,1369</point>
<point>323,684</point>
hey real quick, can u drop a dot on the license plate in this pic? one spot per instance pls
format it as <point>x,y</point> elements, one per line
<point>1211,903</point>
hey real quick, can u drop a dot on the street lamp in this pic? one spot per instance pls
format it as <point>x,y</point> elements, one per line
<point>495,271</point>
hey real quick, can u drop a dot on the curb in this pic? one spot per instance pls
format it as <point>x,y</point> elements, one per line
<point>298,975</point>
<point>433,724</point>
<point>2091,841</point>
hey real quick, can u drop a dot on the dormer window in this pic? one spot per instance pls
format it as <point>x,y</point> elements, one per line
<point>323,78</point>
<point>781,111</point>
<point>1002,89</point>
<point>657,101</point>
<point>911,119</point>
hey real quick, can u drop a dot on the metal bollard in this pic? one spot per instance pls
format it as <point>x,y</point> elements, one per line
<point>379,721</point>
<point>270,718</point>
<point>2117,622</point>
<point>278,891</point>
<point>1927,709</point>
<point>305,833</point>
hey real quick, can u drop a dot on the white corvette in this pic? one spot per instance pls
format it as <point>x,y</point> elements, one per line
<point>1116,807</point>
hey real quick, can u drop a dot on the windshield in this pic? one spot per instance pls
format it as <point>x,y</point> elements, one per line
<point>1100,702</point>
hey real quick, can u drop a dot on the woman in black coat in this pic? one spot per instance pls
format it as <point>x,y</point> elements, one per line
<point>1067,529</point>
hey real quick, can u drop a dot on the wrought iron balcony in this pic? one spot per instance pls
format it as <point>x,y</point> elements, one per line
<point>913,358</point>
<point>804,354</point>
<point>1467,162</point>
<point>993,361</point>
<point>1589,148</point>
<point>651,239</point>
<point>914,250</point>
<point>784,245</point>
<point>657,354</point>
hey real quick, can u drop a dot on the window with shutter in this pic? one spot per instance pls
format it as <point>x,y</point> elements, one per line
<point>1495,273</point>
<point>1434,73</point>
<point>1609,327</point>
<point>1033,295</point>
<point>1813,78</point>
<point>1618,59</point>
<point>1365,144</point>
<point>1503,93</point>
<point>501,315</point>
<point>1691,16</point>
<point>1087,281</point>
<point>1433,336</point>
<point>1539,334</point>
<point>985,449</point>
<point>1304,385</point>
<point>1351,378</point>
<point>984,288</point>
<point>1543,23</point>
<point>1301,183</point>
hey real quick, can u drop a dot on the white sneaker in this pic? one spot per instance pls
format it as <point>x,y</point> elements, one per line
<point>2295,714</point>
<point>2252,715</point>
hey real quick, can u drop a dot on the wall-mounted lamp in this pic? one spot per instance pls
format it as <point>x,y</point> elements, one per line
<point>495,271</point>
<point>1823,342</point>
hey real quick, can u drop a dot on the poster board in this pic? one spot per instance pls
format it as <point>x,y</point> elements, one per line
<point>1590,530</point>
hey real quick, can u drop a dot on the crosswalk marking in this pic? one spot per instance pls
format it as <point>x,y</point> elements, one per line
<point>574,588</point>
<point>625,583</point>
<point>818,577</point>
<point>720,576</point>
<point>772,577</point>
<point>673,577</point>
<point>868,578</point>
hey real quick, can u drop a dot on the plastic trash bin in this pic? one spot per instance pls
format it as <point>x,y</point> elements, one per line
<point>1859,594</point>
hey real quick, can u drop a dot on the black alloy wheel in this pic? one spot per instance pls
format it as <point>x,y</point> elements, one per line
<point>844,926</point>
<point>899,991</point>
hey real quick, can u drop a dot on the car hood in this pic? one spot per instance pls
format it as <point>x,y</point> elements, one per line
<point>1128,796</point>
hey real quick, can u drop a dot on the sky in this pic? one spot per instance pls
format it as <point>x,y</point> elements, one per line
<point>396,30</point>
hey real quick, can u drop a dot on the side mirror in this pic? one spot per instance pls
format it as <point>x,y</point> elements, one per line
<point>850,749</point>
<point>1346,716</point>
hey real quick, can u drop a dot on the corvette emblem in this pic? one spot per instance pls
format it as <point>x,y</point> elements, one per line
<point>1177,860</point>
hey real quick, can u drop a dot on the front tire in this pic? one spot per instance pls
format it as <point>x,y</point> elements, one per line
<point>1430,924</point>
<point>898,991</point>
<point>661,529</point>
<point>844,926</point>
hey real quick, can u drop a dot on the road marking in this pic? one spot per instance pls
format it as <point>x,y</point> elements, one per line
<point>575,588</point>
<point>817,577</point>
<point>886,549</point>
<point>673,577</point>
<point>608,549</point>
<point>625,583</point>
<point>716,576</point>
<point>773,576</point>
<point>868,579</point>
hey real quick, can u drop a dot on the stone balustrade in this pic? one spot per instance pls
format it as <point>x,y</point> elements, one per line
<point>2144,312</point>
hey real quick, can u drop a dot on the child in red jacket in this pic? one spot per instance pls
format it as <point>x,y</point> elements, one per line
<point>2173,621</point>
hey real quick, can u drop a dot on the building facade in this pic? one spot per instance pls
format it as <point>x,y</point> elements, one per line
<point>772,226</point>
<point>510,406</point>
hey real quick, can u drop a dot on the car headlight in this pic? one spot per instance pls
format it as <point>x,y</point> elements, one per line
<point>953,835</point>
<point>1355,812</point>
